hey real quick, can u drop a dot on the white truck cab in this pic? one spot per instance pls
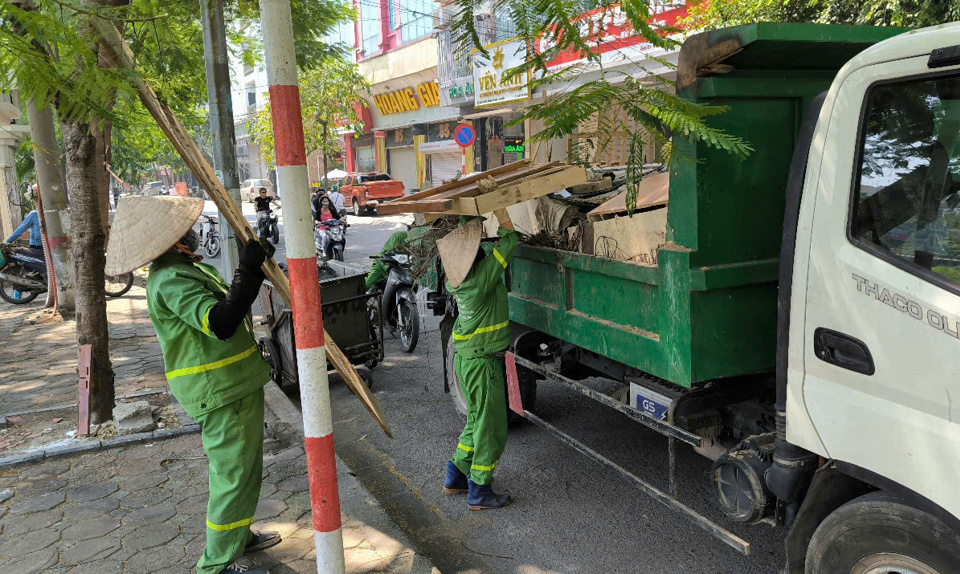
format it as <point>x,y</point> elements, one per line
<point>873,376</point>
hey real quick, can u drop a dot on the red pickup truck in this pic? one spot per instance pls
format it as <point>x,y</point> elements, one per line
<point>362,192</point>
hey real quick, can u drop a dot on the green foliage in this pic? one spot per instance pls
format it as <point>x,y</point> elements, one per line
<point>329,94</point>
<point>903,13</point>
<point>24,161</point>
<point>650,114</point>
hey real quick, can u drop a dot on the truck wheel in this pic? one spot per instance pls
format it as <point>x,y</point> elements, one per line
<point>879,533</point>
<point>528,388</point>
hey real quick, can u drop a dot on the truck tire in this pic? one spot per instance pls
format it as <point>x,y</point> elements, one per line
<point>880,533</point>
<point>528,388</point>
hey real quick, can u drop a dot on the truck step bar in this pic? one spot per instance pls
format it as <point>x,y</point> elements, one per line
<point>672,432</point>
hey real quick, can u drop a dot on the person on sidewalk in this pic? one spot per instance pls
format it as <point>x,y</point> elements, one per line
<point>210,356</point>
<point>480,335</point>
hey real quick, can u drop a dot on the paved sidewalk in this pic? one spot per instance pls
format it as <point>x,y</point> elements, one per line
<point>140,508</point>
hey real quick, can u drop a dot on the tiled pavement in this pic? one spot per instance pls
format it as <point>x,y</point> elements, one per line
<point>140,509</point>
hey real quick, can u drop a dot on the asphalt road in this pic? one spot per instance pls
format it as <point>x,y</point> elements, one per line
<point>569,514</point>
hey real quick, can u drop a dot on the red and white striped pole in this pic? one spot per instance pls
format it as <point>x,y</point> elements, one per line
<point>294,186</point>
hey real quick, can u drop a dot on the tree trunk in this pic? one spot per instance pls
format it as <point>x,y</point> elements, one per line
<point>54,199</point>
<point>88,253</point>
<point>102,136</point>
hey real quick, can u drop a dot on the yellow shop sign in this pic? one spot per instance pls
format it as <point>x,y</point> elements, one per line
<point>406,100</point>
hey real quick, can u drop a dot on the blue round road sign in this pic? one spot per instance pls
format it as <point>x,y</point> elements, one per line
<point>464,135</point>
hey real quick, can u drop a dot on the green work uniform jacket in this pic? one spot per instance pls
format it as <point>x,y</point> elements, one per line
<point>483,323</point>
<point>379,270</point>
<point>204,372</point>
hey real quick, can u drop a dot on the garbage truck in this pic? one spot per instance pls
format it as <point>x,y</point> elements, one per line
<point>800,323</point>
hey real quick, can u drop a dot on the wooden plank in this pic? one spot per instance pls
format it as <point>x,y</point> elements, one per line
<point>473,178</point>
<point>425,206</point>
<point>191,155</point>
<point>428,205</point>
<point>519,192</point>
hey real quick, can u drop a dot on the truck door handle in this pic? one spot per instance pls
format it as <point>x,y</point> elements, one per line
<point>843,351</point>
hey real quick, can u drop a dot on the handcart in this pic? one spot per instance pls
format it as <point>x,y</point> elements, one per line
<point>350,316</point>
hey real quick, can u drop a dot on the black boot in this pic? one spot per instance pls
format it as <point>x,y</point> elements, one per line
<point>456,481</point>
<point>482,497</point>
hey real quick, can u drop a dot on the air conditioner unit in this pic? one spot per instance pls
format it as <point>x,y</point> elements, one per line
<point>443,17</point>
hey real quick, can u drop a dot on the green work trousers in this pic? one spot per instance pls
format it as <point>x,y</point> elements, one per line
<point>233,440</point>
<point>482,381</point>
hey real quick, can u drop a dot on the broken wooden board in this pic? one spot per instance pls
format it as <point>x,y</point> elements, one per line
<point>654,191</point>
<point>636,238</point>
<point>488,194</point>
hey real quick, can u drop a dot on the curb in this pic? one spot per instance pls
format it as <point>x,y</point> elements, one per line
<point>91,445</point>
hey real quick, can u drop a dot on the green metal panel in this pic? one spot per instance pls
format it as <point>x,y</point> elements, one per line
<point>708,310</point>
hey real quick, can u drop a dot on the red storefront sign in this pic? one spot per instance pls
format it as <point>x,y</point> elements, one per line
<point>608,32</point>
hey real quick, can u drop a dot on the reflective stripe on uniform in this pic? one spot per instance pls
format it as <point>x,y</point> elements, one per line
<point>231,526</point>
<point>206,323</point>
<point>500,258</point>
<point>464,447</point>
<point>480,330</point>
<point>211,366</point>
<point>482,467</point>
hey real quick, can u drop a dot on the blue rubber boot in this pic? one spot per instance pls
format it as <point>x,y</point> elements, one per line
<point>482,497</point>
<point>456,481</point>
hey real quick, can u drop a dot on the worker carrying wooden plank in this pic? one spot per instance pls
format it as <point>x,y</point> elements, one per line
<point>480,335</point>
<point>210,355</point>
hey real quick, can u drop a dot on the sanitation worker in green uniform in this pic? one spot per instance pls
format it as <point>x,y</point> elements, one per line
<point>210,357</point>
<point>480,335</point>
<point>379,270</point>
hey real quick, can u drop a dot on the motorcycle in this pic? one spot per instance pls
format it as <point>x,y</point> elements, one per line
<point>210,235</point>
<point>399,300</point>
<point>329,237</point>
<point>267,227</point>
<point>23,276</point>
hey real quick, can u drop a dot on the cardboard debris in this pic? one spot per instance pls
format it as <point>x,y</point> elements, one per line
<point>636,239</point>
<point>654,191</point>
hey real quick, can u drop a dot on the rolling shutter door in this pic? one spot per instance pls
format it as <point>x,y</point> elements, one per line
<point>444,166</point>
<point>403,167</point>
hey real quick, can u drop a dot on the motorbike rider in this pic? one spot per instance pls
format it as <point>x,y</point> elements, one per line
<point>263,206</point>
<point>325,210</point>
<point>31,222</point>
<point>210,354</point>
<point>379,270</point>
<point>336,198</point>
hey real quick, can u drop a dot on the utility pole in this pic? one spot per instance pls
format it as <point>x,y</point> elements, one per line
<point>221,120</point>
<point>294,184</point>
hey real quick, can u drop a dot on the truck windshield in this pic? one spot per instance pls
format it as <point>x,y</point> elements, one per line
<point>907,201</point>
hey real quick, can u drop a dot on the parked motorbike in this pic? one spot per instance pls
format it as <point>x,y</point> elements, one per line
<point>267,227</point>
<point>210,235</point>
<point>23,276</point>
<point>329,237</point>
<point>399,300</point>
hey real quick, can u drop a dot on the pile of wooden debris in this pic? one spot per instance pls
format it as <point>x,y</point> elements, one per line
<point>556,206</point>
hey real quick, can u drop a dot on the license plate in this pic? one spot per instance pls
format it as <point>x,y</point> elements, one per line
<point>650,402</point>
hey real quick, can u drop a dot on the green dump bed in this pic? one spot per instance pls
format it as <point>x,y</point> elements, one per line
<point>708,309</point>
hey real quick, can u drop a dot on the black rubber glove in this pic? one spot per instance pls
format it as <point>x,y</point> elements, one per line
<point>227,315</point>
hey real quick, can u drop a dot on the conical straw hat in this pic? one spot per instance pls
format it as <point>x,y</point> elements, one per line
<point>145,227</point>
<point>458,250</point>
